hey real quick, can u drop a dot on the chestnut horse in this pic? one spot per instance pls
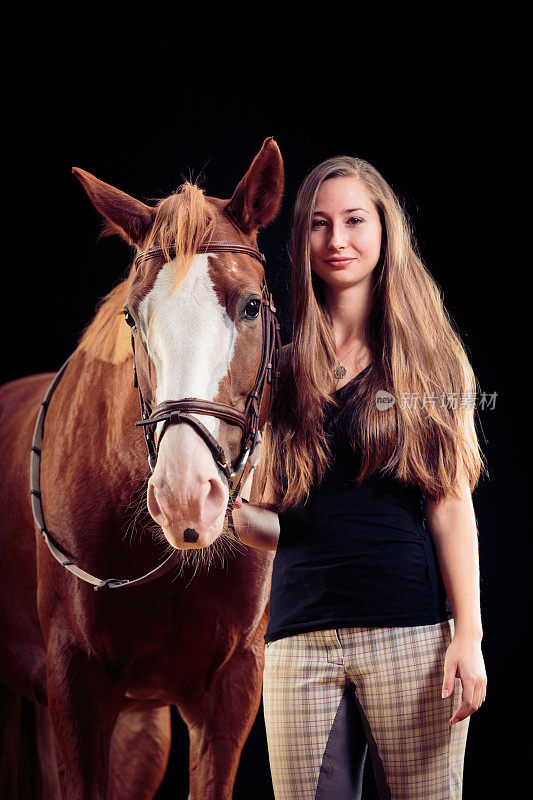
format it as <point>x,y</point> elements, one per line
<point>87,678</point>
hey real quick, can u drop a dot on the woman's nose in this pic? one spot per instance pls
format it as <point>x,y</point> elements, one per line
<point>337,239</point>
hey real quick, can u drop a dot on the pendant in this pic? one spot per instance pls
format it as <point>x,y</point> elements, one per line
<point>340,371</point>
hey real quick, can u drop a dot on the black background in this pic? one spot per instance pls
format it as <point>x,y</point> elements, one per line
<point>144,110</point>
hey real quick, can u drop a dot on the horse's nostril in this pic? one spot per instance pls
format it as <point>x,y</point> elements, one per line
<point>155,510</point>
<point>190,535</point>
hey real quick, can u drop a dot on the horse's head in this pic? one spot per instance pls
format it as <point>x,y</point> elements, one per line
<point>197,330</point>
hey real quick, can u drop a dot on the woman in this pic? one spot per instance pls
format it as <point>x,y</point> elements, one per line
<point>369,461</point>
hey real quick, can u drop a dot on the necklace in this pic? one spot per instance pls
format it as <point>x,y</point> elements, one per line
<point>340,370</point>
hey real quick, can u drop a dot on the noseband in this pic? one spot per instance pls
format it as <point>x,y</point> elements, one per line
<point>173,412</point>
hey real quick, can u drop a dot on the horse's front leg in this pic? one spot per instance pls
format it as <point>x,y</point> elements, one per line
<point>219,725</point>
<point>140,748</point>
<point>84,706</point>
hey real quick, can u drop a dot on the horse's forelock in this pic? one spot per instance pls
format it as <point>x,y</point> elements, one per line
<point>183,222</point>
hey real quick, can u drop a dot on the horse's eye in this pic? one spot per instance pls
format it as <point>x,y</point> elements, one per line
<point>252,308</point>
<point>129,320</point>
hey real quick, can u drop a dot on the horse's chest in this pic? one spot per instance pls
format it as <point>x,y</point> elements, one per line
<point>176,669</point>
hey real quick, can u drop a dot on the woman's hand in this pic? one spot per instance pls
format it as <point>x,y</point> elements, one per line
<point>464,660</point>
<point>238,502</point>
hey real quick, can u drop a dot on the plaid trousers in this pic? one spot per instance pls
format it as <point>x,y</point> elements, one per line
<point>329,696</point>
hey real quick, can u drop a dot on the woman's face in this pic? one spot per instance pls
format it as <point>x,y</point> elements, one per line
<point>345,239</point>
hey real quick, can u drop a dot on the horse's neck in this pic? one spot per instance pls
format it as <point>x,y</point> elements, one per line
<point>94,469</point>
<point>96,409</point>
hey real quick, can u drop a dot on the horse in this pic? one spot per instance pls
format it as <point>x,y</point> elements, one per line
<point>88,677</point>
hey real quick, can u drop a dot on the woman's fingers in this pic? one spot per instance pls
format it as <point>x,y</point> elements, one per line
<point>474,692</point>
<point>465,709</point>
<point>448,682</point>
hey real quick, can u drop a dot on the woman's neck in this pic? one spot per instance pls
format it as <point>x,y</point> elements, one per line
<point>349,310</point>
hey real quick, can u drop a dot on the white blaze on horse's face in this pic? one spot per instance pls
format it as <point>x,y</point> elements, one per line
<point>190,339</point>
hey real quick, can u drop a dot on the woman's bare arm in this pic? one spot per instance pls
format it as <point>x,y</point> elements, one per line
<point>256,526</point>
<point>453,527</point>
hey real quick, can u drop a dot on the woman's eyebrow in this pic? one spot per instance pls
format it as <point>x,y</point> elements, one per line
<point>346,211</point>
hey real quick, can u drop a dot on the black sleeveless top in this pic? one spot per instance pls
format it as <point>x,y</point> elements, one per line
<point>352,555</point>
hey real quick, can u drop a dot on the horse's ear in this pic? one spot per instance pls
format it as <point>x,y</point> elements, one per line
<point>127,216</point>
<point>257,198</point>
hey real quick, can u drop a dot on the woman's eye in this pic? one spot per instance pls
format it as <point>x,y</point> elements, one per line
<point>129,320</point>
<point>320,223</point>
<point>252,308</point>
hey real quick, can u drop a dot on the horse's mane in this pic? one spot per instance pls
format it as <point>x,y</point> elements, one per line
<point>183,221</point>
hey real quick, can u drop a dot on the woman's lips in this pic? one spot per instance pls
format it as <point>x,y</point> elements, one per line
<point>338,262</point>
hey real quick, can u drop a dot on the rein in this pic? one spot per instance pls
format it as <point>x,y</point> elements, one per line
<point>172,412</point>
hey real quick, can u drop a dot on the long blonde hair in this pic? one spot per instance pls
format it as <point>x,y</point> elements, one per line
<point>416,354</point>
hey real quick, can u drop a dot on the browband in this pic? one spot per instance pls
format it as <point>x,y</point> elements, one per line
<point>209,247</point>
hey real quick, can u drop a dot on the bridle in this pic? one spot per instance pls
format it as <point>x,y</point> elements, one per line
<point>173,412</point>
